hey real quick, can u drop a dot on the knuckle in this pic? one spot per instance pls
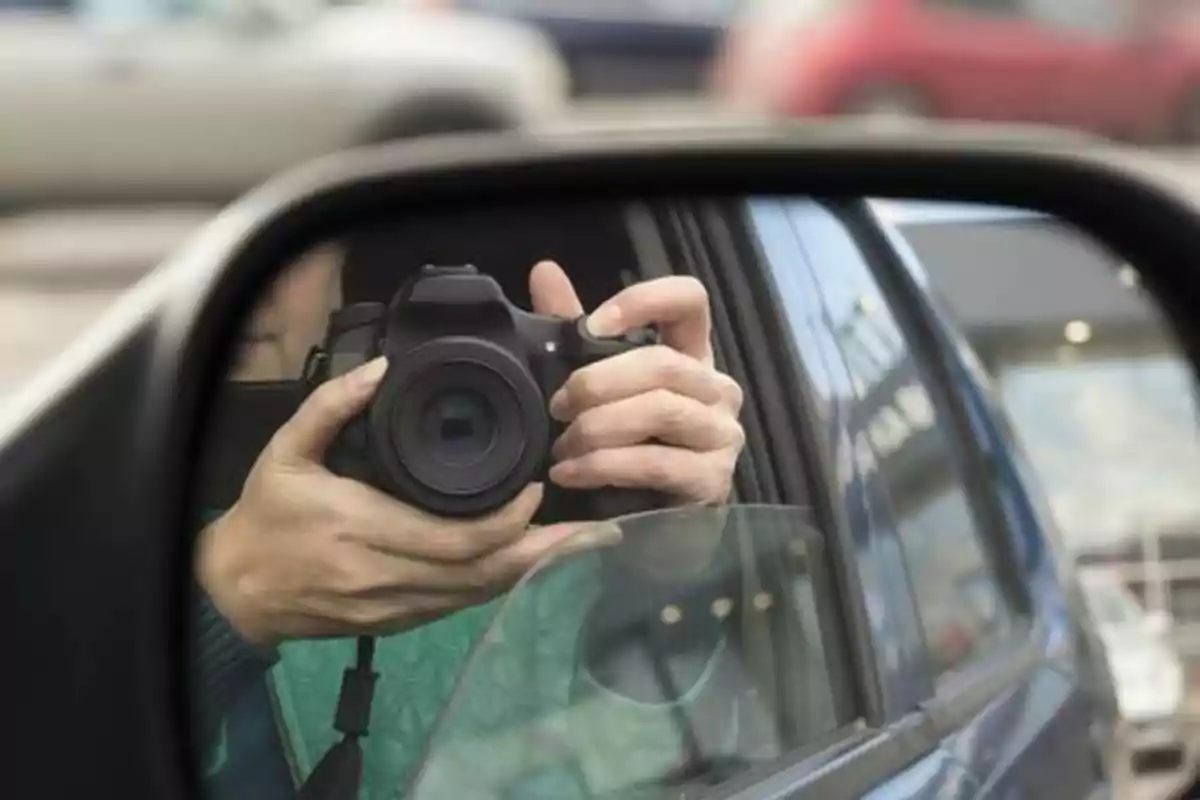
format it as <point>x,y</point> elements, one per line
<point>657,471</point>
<point>584,387</point>
<point>327,398</point>
<point>670,366</point>
<point>733,394</point>
<point>693,287</point>
<point>461,545</point>
<point>737,435</point>
<point>673,412</point>
<point>485,574</point>
<point>589,431</point>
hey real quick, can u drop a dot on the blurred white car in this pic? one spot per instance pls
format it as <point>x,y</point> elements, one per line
<point>1155,732</point>
<point>158,99</point>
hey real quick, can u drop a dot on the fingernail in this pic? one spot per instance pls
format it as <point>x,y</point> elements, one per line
<point>605,321</point>
<point>556,449</point>
<point>592,536</point>
<point>558,405</point>
<point>370,374</point>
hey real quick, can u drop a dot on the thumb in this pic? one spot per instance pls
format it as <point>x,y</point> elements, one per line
<point>309,432</point>
<point>551,291</point>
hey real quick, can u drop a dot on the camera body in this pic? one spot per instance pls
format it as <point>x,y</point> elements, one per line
<point>459,424</point>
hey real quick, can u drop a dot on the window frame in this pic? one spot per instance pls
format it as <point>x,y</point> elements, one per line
<point>870,754</point>
<point>878,746</point>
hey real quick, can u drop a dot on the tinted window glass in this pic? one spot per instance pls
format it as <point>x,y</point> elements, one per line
<point>686,679</point>
<point>1103,18</point>
<point>990,7</point>
<point>904,444</point>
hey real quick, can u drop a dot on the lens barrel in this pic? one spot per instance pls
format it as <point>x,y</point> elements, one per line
<point>460,426</point>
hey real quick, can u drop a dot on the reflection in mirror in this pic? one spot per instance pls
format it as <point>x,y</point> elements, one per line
<point>423,413</point>
<point>677,686</point>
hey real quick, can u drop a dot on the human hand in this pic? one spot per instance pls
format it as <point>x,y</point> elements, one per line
<point>660,417</point>
<point>305,553</point>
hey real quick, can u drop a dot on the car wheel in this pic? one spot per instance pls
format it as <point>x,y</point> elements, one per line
<point>434,117</point>
<point>888,105</point>
<point>1186,129</point>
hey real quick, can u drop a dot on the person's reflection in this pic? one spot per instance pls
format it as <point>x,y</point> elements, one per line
<point>292,319</point>
<point>303,555</point>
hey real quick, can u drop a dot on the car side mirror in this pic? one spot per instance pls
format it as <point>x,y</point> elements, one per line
<point>816,249</point>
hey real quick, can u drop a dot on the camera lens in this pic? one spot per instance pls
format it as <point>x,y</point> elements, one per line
<point>460,426</point>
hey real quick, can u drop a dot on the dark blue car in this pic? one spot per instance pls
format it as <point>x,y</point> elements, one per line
<point>626,47</point>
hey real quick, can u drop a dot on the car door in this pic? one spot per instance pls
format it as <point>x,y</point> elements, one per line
<point>978,653</point>
<point>758,266</point>
<point>1109,82</point>
<point>1038,736</point>
<point>983,59</point>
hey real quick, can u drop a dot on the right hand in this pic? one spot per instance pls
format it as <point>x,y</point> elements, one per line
<point>307,554</point>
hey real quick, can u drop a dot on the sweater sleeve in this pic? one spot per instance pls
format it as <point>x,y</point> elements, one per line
<point>224,664</point>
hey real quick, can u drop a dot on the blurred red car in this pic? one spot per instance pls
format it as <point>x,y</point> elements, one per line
<point>1121,68</point>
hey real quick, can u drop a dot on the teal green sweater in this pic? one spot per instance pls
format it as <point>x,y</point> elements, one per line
<point>528,719</point>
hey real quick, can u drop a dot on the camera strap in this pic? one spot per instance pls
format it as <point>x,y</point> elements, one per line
<point>338,775</point>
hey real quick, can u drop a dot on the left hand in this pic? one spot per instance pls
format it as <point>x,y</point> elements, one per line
<point>659,417</point>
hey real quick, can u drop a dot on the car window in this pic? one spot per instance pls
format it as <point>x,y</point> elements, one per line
<point>778,11</point>
<point>904,443</point>
<point>1104,18</point>
<point>999,8</point>
<point>702,658</point>
<point>51,6</point>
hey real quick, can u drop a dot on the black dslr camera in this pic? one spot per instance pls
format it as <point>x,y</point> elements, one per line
<point>459,425</point>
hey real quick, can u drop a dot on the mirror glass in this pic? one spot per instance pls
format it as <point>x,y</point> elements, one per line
<point>789,425</point>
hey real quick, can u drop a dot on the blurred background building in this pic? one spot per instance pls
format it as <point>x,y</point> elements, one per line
<point>1097,392</point>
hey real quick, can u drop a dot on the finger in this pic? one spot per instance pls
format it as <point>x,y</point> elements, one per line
<point>494,572</point>
<point>660,415</point>
<point>686,474</point>
<point>677,305</point>
<point>324,412</point>
<point>639,371</point>
<point>551,291</point>
<point>388,526</point>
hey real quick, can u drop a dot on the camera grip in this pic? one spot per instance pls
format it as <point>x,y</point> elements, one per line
<point>584,348</point>
<point>614,503</point>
